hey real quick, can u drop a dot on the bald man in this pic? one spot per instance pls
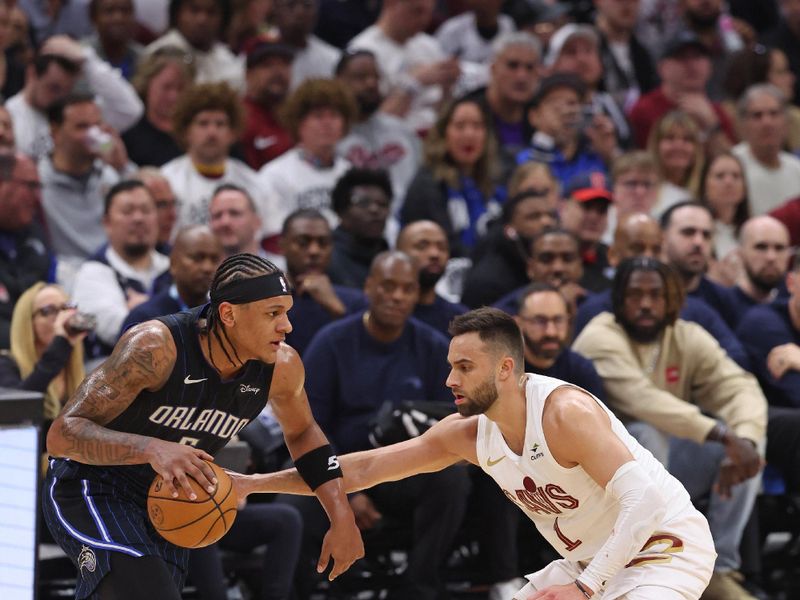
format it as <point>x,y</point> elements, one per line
<point>195,256</point>
<point>426,242</point>
<point>764,251</point>
<point>360,366</point>
<point>638,234</point>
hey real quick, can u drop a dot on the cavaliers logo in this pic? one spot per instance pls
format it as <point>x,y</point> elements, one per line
<point>87,559</point>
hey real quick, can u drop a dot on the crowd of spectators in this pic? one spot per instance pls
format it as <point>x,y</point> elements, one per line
<point>622,176</point>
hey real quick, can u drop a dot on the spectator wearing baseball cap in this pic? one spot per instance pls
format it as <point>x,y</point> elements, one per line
<point>267,78</point>
<point>576,49</point>
<point>555,114</point>
<point>684,69</point>
<point>585,213</point>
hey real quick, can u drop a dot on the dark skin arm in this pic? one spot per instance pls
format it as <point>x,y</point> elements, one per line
<point>302,434</point>
<point>142,360</point>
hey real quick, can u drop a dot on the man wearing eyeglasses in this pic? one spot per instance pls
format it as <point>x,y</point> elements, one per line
<point>24,257</point>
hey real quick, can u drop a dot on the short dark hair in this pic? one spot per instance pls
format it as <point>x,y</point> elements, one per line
<point>540,287</point>
<point>43,61</point>
<point>224,7</point>
<point>302,213</point>
<point>495,328</point>
<point>666,217</point>
<point>55,114</point>
<point>350,55</point>
<point>553,231</point>
<point>126,185</point>
<point>343,190</point>
<point>673,286</point>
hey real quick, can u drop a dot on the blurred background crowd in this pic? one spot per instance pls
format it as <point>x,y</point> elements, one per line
<point>622,176</point>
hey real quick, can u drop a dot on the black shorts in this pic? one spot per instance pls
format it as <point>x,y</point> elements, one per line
<point>91,513</point>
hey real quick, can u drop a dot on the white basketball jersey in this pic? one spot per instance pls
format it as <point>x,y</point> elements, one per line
<point>569,509</point>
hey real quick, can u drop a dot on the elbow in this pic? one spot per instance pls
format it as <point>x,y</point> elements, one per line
<point>55,439</point>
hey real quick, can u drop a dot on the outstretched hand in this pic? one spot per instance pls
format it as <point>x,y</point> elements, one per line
<point>343,544</point>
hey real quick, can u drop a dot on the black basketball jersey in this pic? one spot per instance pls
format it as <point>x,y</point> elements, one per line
<point>195,406</point>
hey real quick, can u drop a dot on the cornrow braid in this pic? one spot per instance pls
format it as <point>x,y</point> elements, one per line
<point>234,268</point>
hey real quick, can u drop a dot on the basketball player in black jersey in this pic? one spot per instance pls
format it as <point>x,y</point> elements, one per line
<point>173,392</point>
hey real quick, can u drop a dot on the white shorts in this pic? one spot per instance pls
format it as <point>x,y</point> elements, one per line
<point>676,563</point>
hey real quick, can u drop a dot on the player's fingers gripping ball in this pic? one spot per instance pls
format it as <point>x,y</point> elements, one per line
<point>193,523</point>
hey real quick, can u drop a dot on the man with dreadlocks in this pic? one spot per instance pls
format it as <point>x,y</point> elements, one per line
<point>171,395</point>
<point>685,400</point>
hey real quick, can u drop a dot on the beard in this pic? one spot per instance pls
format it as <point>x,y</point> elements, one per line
<point>367,105</point>
<point>539,352</point>
<point>428,279</point>
<point>764,283</point>
<point>136,250</point>
<point>480,399</point>
<point>641,334</point>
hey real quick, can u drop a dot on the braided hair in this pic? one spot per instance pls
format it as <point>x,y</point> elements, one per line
<point>234,268</point>
<point>673,287</point>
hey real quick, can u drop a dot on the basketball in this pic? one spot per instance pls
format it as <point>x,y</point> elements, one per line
<point>192,523</point>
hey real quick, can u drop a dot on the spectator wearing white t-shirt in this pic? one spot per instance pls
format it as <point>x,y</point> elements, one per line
<point>773,176</point>
<point>410,59</point>
<point>207,121</point>
<point>296,19</point>
<point>318,114</point>
<point>470,35</point>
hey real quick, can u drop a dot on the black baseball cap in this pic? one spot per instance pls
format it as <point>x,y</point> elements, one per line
<point>682,40</point>
<point>265,44</point>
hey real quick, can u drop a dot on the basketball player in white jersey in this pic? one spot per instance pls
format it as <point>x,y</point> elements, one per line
<point>624,526</point>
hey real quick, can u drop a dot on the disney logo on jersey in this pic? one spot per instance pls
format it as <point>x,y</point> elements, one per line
<point>535,452</point>
<point>243,388</point>
<point>548,499</point>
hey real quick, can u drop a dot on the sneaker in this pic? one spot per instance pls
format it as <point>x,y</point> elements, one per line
<point>505,590</point>
<point>726,586</point>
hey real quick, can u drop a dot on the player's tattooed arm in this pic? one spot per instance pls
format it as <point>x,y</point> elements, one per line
<point>142,360</point>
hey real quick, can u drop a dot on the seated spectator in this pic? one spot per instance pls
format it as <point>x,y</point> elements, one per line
<point>470,35</point>
<point>45,354</point>
<point>454,187</point>
<point>235,220</point>
<point>584,212</point>
<point>207,120</point>
<point>74,180</point>
<point>559,141</point>
<point>410,60</point>
<point>576,49</point>
<point>51,78</point>
<point>723,190</point>
<point>195,27</point>
<point>12,81</point>
<point>318,115</point>
<point>112,40</point>
<point>639,235</point>
<point>773,176</point>
<point>397,359</point>
<point>166,205</point>
<point>377,139</point>
<point>269,64</point>
<point>675,144</point>
<point>786,36</point>
<point>635,180</point>
<point>513,77</point>
<point>688,238</point>
<point>555,260</point>
<point>192,263</point>
<point>24,256</point>
<point>665,377</point>
<point>342,20</point>
<point>764,253</point>
<point>628,69</point>
<point>502,264</point>
<point>160,79</point>
<point>684,68</point>
<point>538,18</point>
<point>426,243</point>
<point>307,245</point>
<point>361,199</point>
<point>750,66</point>
<point>313,57</point>
<point>126,272</point>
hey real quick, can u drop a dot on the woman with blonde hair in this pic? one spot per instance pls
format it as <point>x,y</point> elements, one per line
<point>454,187</point>
<point>46,355</point>
<point>676,145</point>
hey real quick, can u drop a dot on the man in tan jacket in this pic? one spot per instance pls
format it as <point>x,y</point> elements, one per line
<point>685,400</point>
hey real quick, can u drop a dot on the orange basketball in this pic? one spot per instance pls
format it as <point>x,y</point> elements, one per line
<point>192,523</point>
